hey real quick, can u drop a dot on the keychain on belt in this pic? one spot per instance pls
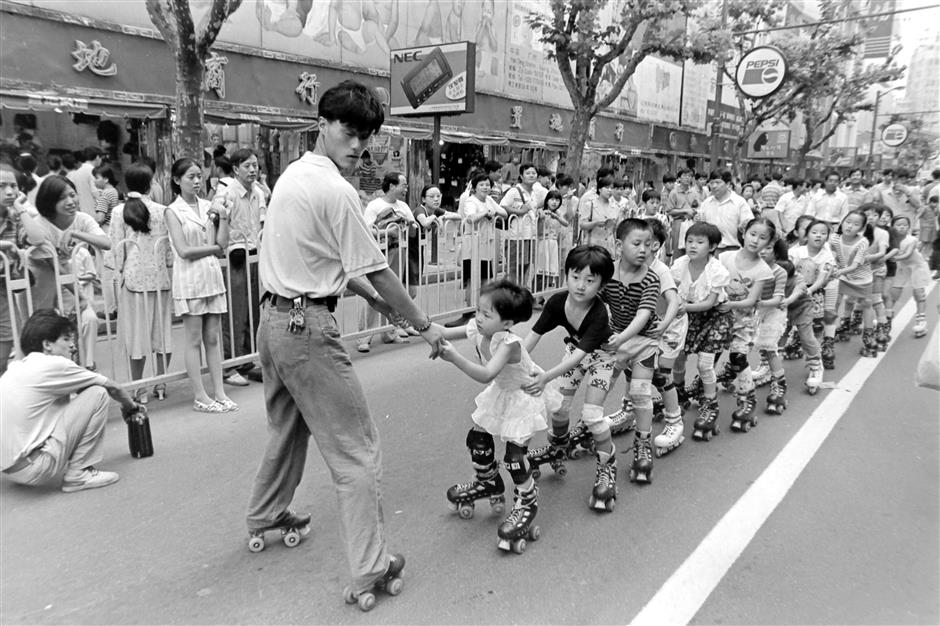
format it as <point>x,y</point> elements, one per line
<point>297,322</point>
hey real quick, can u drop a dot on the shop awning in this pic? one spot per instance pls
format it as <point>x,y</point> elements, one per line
<point>51,101</point>
<point>282,122</point>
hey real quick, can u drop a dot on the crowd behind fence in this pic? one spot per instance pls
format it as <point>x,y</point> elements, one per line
<point>443,266</point>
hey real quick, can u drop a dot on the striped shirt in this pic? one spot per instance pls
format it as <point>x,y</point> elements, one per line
<point>847,255</point>
<point>625,301</point>
<point>108,198</point>
<point>776,287</point>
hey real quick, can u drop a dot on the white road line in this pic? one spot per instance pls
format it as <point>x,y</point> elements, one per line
<point>684,593</point>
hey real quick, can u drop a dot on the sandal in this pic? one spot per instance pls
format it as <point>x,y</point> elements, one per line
<point>211,407</point>
<point>227,405</point>
<point>159,391</point>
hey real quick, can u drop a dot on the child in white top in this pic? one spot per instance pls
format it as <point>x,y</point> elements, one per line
<point>814,262</point>
<point>912,270</point>
<point>503,410</point>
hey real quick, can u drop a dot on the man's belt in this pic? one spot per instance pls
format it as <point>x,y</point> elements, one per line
<point>283,303</point>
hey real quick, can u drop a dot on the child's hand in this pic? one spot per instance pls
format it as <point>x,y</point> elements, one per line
<point>536,385</point>
<point>614,343</point>
<point>448,351</point>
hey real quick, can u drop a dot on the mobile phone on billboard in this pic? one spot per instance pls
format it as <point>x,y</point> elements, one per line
<point>423,80</point>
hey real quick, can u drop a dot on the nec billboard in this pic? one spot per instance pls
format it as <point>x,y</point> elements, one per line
<point>433,80</point>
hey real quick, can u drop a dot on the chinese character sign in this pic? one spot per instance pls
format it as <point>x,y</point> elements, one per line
<point>307,90</point>
<point>215,74</point>
<point>94,57</point>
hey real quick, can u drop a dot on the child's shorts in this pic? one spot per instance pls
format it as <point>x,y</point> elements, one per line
<point>672,342</point>
<point>597,367</point>
<point>635,351</point>
<point>709,331</point>
<point>918,276</point>
<point>856,292</point>
<point>803,311</point>
<point>773,322</point>
<point>744,332</point>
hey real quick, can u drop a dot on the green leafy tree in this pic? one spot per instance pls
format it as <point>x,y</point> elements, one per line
<point>591,39</point>
<point>190,45</point>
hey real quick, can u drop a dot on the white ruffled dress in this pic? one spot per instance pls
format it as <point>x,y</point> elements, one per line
<point>503,409</point>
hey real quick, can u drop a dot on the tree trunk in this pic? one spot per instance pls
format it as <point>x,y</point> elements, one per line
<point>577,139</point>
<point>190,102</point>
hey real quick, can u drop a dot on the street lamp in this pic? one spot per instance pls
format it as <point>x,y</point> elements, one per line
<point>874,127</point>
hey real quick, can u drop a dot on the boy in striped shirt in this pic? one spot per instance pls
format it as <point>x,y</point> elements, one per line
<point>631,297</point>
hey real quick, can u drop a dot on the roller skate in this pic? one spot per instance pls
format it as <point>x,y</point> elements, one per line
<point>743,418</point>
<point>489,484</point>
<point>671,437</point>
<point>604,494</point>
<point>692,392</point>
<point>828,353</point>
<point>776,400</point>
<point>869,347</point>
<point>889,321</point>
<point>707,423</point>
<point>920,325</point>
<point>793,350</point>
<point>518,527</point>
<point>390,583</point>
<point>762,373</point>
<point>855,326</point>
<point>642,469</point>
<point>291,525</point>
<point>842,330</point>
<point>554,454</point>
<point>725,378</point>
<point>623,420</point>
<point>582,442</point>
<point>882,337</point>
<point>815,377</point>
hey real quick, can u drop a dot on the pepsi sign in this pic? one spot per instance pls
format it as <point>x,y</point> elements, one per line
<point>761,72</point>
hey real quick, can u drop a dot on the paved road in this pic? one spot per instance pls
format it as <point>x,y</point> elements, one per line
<point>854,541</point>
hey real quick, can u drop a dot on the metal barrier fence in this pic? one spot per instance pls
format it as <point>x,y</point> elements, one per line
<point>443,268</point>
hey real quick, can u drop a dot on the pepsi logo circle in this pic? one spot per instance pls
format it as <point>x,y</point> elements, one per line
<point>761,72</point>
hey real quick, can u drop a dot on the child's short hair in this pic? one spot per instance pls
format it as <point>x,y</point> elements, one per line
<point>814,222</point>
<point>627,226</point>
<point>658,229</point>
<point>595,258</point>
<point>651,194</point>
<point>620,183</point>
<point>510,301</point>
<point>44,325</point>
<point>868,231</point>
<point>895,221</point>
<point>706,230</point>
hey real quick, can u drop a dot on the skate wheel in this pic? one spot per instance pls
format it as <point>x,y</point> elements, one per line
<point>697,435</point>
<point>561,471</point>
<point>498,505</point>
<point>256,544</point>
<point>452,506</point>
<point>348,596</point>
<point>291,538</point>
<point>754,421</point>
<point>534,533</point>
<point>746,427</point>
<point>465,511</point>
<point>367,601</point>
<point>812,390</point>
<point>394,586</point>
<point>610,505</point>
<point>536,473</point>
<point>518,545</point>
<point>708,435</point>
<point>660,452</point>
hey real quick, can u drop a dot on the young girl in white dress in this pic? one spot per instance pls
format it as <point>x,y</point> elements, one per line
<point>503,410</point>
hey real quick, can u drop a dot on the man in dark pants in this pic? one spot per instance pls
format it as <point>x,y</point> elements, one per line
<point>316,242</point>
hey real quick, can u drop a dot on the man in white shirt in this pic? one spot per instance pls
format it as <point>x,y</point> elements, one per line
<point>854,191</point>
<point>84,179</point>
<point>317,245</point>
<point>391,217</point>
<point>793,204</point>
<point>44,429</point>
<point>244,199</point>
<point>521,203</point>
<point>829,204</point>
<point>903,200</point>
<point>725,209</point>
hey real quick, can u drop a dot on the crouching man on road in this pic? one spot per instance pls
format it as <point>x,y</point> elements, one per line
<point>43,427</point>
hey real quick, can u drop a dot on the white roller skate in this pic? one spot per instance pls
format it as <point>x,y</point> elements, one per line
<point>762,373</point>
<point>815,377</point>
<point>672,435</point>
<point>920,325</point>
<point>623,420</point>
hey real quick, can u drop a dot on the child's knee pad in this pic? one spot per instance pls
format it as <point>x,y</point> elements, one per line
<point>593,417</point>
<point>737,362</point>
<point>662,378</point>
<point>768,353</point>
<point>641,394</point>
<point>515,460</point>
<point>706,369</point>
<point>480,444</point>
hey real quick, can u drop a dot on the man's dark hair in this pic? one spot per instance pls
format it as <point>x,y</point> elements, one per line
<point>596,258</point>
<point>563,180</point>
<point>389,180</point>
<point>240,156</point>
<point>544,171</point>
<point>68,161</point>
<point>683,170</point>
<point>602,172</point>
<point>776,175</point>
<point>91,153</point>
<point>830,172</point>
<point>650,194</point>
<point>492,166</point>
<point>44,325</point>
<point>605,181</point>
<point>856,169</point>
<point>902,173</point>
<point>724,175</point>
<point>353,104</point>
<point>668,178</point>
